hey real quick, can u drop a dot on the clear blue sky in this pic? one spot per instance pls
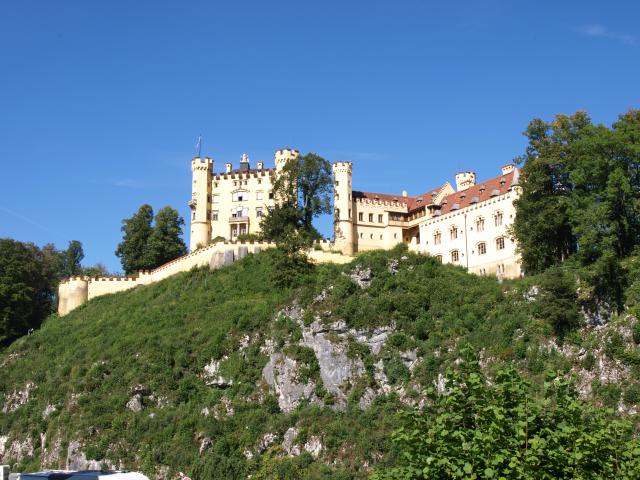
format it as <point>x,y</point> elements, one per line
<point>101,103</point>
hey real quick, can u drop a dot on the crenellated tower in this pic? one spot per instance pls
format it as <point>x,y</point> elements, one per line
<point>283,155</point>
<point>342,207</point>
<point>201,169</point>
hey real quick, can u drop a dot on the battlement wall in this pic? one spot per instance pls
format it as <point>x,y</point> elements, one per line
<point>75,291</point>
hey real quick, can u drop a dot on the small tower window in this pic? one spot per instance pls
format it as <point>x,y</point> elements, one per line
<point>214,215</point>
<point>360,216</point>
<point>371,217</point>
<point>380,218</point>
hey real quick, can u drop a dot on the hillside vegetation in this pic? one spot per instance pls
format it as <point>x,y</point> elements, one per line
<point>226,373</point>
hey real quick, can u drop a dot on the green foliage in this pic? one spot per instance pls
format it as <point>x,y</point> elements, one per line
<point>165,242</point>
<point>28,277</point>
<point>71,259</point>
<point>302,189</point>
<point>132,249</point>
<point>144,246</point>
<point>581,199</point>
<point>162,335</point>
<point>499,429</point>
<point>557,301</point>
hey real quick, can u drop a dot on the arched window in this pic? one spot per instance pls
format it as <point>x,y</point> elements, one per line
<point>455,256</point>
<point>498,218</point>
<point>437,237</point>
<point>500,243</point>
<point>453,231</point>
<point>482,248</point>
<point>480,224</point>
<point>439,258</point>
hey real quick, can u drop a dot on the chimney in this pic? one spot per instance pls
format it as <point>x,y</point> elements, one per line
<point>508,168</point>
<point>228,167</point>
<point>404,193</point>
<point>260,165</point>
<point>465,180</point>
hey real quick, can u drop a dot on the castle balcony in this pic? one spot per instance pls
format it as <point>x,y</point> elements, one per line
<point>397,223</point>
<point>238,219</point>
<point>192,203</point>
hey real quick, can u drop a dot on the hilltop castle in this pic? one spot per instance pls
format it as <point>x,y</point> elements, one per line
<point>466,226</point>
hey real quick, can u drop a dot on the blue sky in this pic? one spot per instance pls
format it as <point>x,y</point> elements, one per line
<point>101,103</point>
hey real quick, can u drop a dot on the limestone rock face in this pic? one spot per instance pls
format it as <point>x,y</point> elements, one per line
<point>15,451</point>
<point>281,373</point>
<point>362,276</point>
<point>211,375</point>
<point>135,403</point>
<point>288,443</point>
<point>17,398</point>
<point>77,460</point>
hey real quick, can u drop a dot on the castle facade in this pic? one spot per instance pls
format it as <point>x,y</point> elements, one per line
<point>231,203</point>
<point>467,225</point>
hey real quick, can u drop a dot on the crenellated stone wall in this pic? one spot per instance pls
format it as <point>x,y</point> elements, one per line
<point>75,291</point>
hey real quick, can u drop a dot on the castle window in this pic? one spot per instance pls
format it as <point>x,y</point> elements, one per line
<point>259,195</point>
<point>437,238</point>
<point>360,216</point>
<point>259,181</point>
<point>239,196</point>
<point>500,243</point>
<point>480,224</point>
<point>379,218</point>
<point>439,258</point>
<point>395,235</point>
<point>215,184</point>
<point>453,232</point>
<point>371,236</point>
<point>270,195</point>
<point>337,196</point>
<point>371,217</point>
<point>482,248</point>
<point>360,235</point>
<point>455,256</point>
<point>216,199</point>
<point>337,183</point>
<point>193,215</point>
<point>380,237</point>
<point>259,212</point>
<point>349,213</point>
<point>498,218</point>
<point>214,215</point>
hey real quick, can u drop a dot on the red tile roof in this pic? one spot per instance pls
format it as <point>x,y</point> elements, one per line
<point>479,192</point>
<point>411,202</point>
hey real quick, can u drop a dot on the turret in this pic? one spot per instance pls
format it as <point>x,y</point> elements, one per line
<point>465,180</point>
<point>72,293</point>
<point>283,155</point>
<point>201,169</point>
<point>342,206</point>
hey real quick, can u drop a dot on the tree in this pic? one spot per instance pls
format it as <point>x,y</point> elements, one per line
<point>27,286</point>
<point>70,259</point>
<point>165,242</point>
<point>97,270</point>
<point>477,428</point>
<point>302,189</point>
<point>542,225</point>
<point>132,249</point>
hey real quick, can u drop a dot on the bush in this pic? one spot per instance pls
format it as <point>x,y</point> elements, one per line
<point>557,301</point>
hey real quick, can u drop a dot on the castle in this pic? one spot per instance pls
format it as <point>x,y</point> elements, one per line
<point>466,226</point>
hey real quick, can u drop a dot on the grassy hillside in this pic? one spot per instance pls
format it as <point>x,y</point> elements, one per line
<point>122,379</point>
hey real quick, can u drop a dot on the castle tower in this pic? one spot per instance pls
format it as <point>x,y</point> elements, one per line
<point>201,169</point>
<point>283,155</point>
<point>342,205</point>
